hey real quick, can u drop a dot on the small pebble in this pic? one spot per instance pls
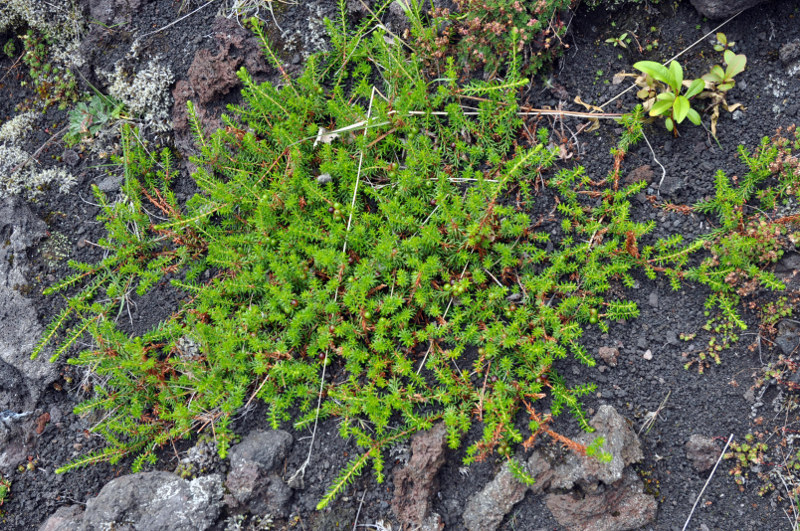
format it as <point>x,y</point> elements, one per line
<point>70,157</point>
<point>653,299</point>
<point>672,337</point>
<point>648,355</point>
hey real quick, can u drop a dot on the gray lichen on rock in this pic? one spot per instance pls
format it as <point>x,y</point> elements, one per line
<point>146,93</point>
<point>18,172</point>
<point>61,20</point>
<point>17,127</point>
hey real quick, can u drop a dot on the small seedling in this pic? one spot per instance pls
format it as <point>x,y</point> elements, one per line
<point>5,489</point>
<point>746,455</point>
<point>723,43</point>
<point>598,75</point>
<point>718,82</point>
<point>660,87</point>
<point>85,121</point>
<point>622,41</point>
<point>669,102</point>
<point>722,79</point>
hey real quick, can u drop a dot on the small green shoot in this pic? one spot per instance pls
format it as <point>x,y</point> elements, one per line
<point>85,121</point>
<point>670,103</point>
<point>723,43</point>
<point>5,489</point>
<point>622,41</point>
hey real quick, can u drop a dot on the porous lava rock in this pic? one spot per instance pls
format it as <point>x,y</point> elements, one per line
<point>486,509</point>
<point>617,507</point>
<point>16,439</point>
<point>607,495</point>
<point>416,483</point>
<point>21,379</point>
<point>253,480</point>
<point>156,501</point>
<point>609,355</point>
<point>212,76</point>
<point>723,8</point>
<point>642,173</point>
<point>67,518</point>
<point>788,338</point>
<point>620,441</point>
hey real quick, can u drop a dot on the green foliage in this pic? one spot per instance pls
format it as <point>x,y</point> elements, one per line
<point>10,48</point>
<point>723,43</point>
<point>720,80</point>
<point>352,272</point>
<point>595,449</point>
<point>745,246</point>
<point>85,121</point>
<point>520,472</point>
<point>773,312</point>
<point>5,490</point>
<point>52,83</point>
<point>362,231</point>
<point>745,455</point>
<point>622,41</point>
<point>660,88</point>
<point>670,103</point>
<point>346,476</point>
<point>486,32</point>
<point>723,78</point>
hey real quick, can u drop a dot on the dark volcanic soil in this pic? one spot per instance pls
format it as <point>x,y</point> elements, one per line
<point>712,404</point>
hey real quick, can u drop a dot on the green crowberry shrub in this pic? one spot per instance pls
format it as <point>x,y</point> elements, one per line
<point>756,216</point>
<point>375,263</point>
<point>361,248</point>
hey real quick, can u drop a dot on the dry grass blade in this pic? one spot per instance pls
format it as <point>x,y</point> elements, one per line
<point>652,416</point>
